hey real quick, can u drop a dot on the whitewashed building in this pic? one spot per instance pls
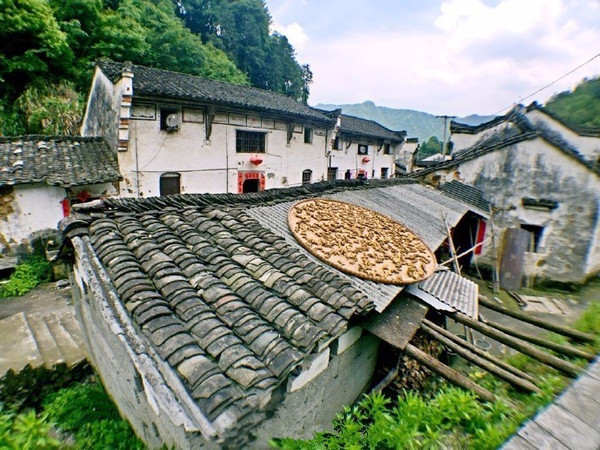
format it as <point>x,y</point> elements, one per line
<point>363,149</point>
<point>41,176</point>
<point>538,180</point>
<point>177,133</point>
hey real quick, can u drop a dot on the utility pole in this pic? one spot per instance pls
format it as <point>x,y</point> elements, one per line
<point>444,145</point>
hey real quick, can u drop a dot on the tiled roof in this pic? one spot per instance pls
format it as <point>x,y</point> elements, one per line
<point>56,160</point>
<point>225,294</point>
<point>163,83</point>
<point>356,126</point>
<point>467,194</point>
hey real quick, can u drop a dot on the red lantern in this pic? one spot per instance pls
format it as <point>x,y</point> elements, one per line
<point>366,159</point>
<point>256,160</point>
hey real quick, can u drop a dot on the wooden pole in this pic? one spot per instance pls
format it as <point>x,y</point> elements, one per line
<point>466,252</point>
<point>479,352</point>
<point>528,349</point>
<point>448,373</point>
<point>483,363</point>
<point>565,331</point>
<point>451,244</point>
<point>560,348</point>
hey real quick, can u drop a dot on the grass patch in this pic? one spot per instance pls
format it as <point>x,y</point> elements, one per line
<point>27,275</point>
<point>83,414</point>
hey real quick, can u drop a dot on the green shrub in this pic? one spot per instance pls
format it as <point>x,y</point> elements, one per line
<point>30,273</point>
<point>25,431</point>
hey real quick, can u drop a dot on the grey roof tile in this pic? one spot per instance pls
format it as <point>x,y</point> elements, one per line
<point>355,126</point>
<point>163,83</point>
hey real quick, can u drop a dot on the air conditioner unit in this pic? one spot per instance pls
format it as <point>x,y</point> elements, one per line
<point>173,122</point>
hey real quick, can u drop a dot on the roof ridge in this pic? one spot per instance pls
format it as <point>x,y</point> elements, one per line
<point>49,137</point>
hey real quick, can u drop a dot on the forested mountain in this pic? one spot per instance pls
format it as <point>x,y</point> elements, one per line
<point>48,49</point>
<point>416,123</point>
<point>579,108</point>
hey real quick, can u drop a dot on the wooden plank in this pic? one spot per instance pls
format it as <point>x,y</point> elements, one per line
<point>398,323</point>
<point>565,331</point>
<point>522,346</point>
<point>448,373</point>
<point>540,438</point>
<point>568,429</point>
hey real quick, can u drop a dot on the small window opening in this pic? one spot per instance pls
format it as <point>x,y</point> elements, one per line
<point>308,135</point>
<point>249,142</point>
<point>170,184</point>
<point>332,173</point>
<point>387,149</point>
<point>169,119</point>
<point>384,173</point>
<point>306,176</point>
<point>337,143</point>
<point>537,232</point>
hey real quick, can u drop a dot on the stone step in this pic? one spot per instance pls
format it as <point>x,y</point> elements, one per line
<point>45,340</point>
<point>69,321</point>
<point>18,347</point>
<point>71,352</point>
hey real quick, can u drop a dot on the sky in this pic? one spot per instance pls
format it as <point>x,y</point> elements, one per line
<point>455,57</point>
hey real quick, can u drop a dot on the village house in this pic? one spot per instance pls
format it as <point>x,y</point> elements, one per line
<point>539,183</point>
<point>406,157</point>
<point>41,176</point>
<point>177,133</point>
<point>211,325</point>
<point>363,149</point>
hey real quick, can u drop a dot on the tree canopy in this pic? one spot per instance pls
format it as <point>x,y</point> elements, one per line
<point>579,108</point>
<point>48,49</point>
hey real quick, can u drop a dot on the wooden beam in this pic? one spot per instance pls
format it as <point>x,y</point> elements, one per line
<point>528,349</point>
<point>448,373</point>
<point>480,352</point>
<point>565,331</point>
<point>481,362</point>
<point>566,350</point>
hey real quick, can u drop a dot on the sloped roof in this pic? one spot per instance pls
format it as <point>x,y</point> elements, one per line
<point>175,85</point>
<point>223,292</point>
<point>466,193</point>
<point>56,160</point>
<point>582,131</point>
<point>355,126</point>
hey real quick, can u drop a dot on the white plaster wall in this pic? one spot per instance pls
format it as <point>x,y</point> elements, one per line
<point>406,154</point>
<point>462,141</point>
<point>588,146</point>
<point>97,190</point>
<point>537,169</point>
<point>29,209</point>
<point>212,165</point>
<point>349,159</point>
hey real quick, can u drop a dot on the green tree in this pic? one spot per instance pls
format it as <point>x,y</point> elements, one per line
<point>430,147</point>
<point>579,108</point>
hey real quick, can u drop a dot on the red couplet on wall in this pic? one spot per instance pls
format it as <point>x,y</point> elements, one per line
<point>480,236</point>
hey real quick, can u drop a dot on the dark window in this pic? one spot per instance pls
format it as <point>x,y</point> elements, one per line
<point>387,149</point>
<point>170,183</point>
<point>308,135</point>
<point>332,173</point>
<point>172,124</point>
<point>536,231</point>
<point>306,176</point>
<point>337,143</point>
<point>251,185</point>
<point>348,175</point>
<point>384,172</point>
<point>249,142</point>
<point>363,149</point>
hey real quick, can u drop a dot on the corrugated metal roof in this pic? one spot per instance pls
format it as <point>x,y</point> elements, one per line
<point>453,290</point>
<point>417,207</point>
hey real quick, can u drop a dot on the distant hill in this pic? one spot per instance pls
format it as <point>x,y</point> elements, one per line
<point>416,123</point>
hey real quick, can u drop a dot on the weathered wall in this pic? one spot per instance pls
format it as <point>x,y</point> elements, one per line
<point>313,407</point>
<point>538,170</point>
<point>28,209</point>
<point>461,141</point>
<point>212,165</point>
<point>101,116</point>
<point>348,159</point>
<point>588,146</point>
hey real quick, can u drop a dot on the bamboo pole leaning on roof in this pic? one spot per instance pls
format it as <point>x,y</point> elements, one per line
<point>522,346</point>
<point>565,331</point>
<point>448,373</point>
<point>480,352</point>
<point>481,362</point>
<point>566,350</point>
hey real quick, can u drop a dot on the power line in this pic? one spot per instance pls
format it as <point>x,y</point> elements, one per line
<point>554,82</point>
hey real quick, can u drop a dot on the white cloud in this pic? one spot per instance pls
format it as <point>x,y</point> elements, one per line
<point>294,32</point>
<point>476,58</point>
